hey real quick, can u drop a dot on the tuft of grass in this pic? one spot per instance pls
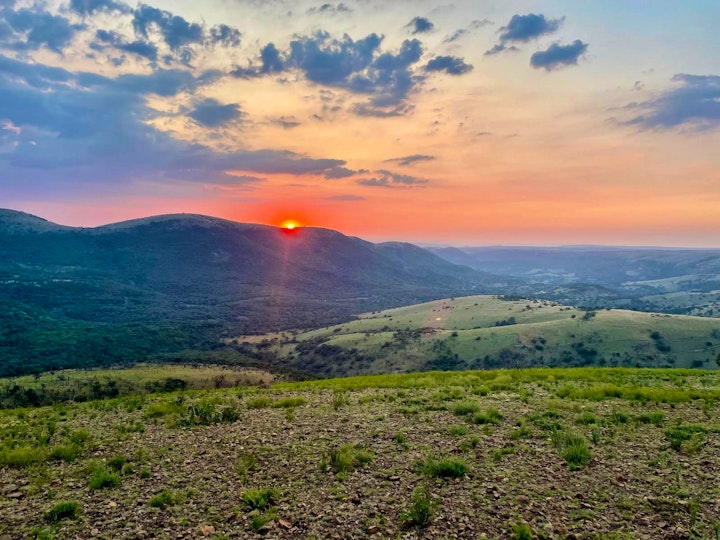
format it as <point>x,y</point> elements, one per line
<point>586,418</point>
<point>421,509</point>
<point>244,464</point>
<point>689,437</point>
<point>102,478</point>
<point>258,521</point>
<point>347,457</point>
<point>457,431</point>
<point>259,499</point>
<point>655,418</point>
<point>401,440</point>
<point>340,399</point>
<point>521,432</point>
<point>79,437</point>
<point>22,456</point>
<point>66,452</point>
<point>117,462</point>
<point>521,531</point>
<point>491,416</point>
<point>443,467</point>
<point>261,402</point>
<point>289,402</point>
<point>572,447</point>
<point>63,510</point>
<point>465,408</point>
<point>163,499</point>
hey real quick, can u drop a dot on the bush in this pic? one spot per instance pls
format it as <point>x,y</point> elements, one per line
<point>63,510</point>
<point>444,467</point>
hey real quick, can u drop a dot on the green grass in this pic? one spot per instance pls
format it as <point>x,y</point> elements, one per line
<point>347,457</point>
<point>259,499</point>
<point>63,510</point>
<point>490,416</point>
<point>421,509</point>
<point>102,478</point>
<point>164,499</point>
<point>66,452</point>
<point>572,447</point>
<point>22,456</point>
<point>444,467</point>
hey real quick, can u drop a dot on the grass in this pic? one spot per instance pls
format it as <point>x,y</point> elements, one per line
<point>444,467</point>
<point>572,447</point>
<point>490,416</point>
<point>259,499</point>
<point>66,452</point>
<point>21,457</point>
<point>102,478</point>
<point>347,457</point>
<point>63,510</point>
<point>163,499</point>
<point>421,509</point>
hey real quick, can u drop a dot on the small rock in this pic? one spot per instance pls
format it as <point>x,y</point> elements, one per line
<point>16,495</point>
<point>285,524</point>
<point>373,529</point>
<point>207,530</point>
<point>95,532</point>
<point>112,504</point>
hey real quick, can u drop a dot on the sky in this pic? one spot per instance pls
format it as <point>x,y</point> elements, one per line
<point>454,122</point>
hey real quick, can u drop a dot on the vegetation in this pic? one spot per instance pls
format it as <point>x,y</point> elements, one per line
<point>599,449</point>
<point>63,510</point>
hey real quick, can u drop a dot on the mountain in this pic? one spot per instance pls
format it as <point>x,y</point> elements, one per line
<point>200,272</point>
<point>672,280</point>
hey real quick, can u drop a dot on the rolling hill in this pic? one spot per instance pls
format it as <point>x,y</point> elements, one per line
<point>482,332</point>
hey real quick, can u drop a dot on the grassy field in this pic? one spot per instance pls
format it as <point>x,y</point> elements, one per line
<point>481,332</point>
<point>518,454</point>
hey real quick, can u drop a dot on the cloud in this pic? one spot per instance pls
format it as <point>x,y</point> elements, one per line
<point>558,56</point>
<point>40,28</point>
<point>211,113</point>
<point>410,160</point>
<point>452,65</point>
<point>524,28</point>
<point>694,102</point>
<point>89,7</point>
<point>387,78</point>
<point>474,25</point>
<point>339,172</point>
<point>176,31</point>
<point>389,179</point>
<point>420,25</point>
<point>224,35</point>
<point>328,9</point>
<point>286,122</point>
<point>114,39</point>
<point>94,130</point>
<point>345,198</point>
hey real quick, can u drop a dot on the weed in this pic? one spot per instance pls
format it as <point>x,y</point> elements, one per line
<point>693,435</point>
<point>117,462</point>
<point>340,399</point>
<point>63,510</point>
<point>572,447</point>
<point>457,431</point>
<point>522,432</point>
<point>499,453</point>
<point>619,417</point>
<point>443,467</point>
<point>655,418</point>
<point>258,521</point>
<point>259,499</point>
<point>79,437</point>
<point>261,402</point>
<point>144,474</point>
<point>469,443</point>
<point>289,402</point>
<point>243,465</point>
<point>421,510</point>
<point>465,408</point>
<point>21,457</point>
<point>66,452</point>
<point>586,418</point>
<point>401,440</point>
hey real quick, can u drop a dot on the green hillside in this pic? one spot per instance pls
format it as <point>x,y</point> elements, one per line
<point>482,332</point>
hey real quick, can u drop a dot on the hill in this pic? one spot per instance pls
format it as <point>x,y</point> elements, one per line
<point>669,280</point>
<point>482,332</point>
<point>541,453</point>
<point>194,279</point>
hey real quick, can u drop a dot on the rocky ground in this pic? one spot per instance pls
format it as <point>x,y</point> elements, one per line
<point>636,484</point>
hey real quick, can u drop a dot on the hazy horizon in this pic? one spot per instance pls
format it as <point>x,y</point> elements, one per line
<point>493,123</point>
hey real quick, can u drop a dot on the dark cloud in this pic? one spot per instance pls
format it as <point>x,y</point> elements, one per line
<point>474,25</point>
<point>693,102</point>
<point>40,28</point>
<point>222,34</point>
<point>89,7</point>
<point>211,113</point>
<point>410,160</point>
<point>271,61</point>
<point>92,129</point>
<point>286,122</point>
<point>558,56</point>
<point>114,39</point>
<point>339,172</point>
<point>389,179</point>
<point>345,198</point>
<point>420,25</point>
<point>176,31</point>
<point>329,9</point>
<point>452,65</point>
<point>524,28</point>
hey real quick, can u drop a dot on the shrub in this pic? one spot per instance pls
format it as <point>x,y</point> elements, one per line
<point>63,510</point>
<point>421,510</point>
<point>259,499</point>
<point>444,467</point>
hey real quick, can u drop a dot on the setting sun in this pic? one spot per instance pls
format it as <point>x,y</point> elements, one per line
<point>290,225</point>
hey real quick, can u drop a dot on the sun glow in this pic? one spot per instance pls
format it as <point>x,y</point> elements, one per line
<point>290,225</point>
